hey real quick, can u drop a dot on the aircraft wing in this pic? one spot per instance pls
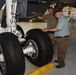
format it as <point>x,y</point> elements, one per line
<point>34,8</point>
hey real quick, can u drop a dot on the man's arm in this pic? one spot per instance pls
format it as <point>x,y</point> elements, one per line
<point>51,30</point>
<point>40,17</point>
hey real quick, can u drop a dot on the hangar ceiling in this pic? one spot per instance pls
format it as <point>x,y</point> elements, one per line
<point>71,3</point>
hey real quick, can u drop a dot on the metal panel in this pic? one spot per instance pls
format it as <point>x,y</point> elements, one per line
<point>25,8</point>
<point>22,9</point>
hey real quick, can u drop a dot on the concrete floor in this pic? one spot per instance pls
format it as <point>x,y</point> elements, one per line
<point>70,68</point>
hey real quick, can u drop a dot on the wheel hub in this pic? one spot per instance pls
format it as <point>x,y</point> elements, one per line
<point>34,53</point>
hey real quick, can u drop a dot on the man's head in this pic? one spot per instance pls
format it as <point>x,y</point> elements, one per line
<point>50,10</point>
<point>58,13</point>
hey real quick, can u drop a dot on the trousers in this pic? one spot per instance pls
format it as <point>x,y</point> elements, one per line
<point>62,45</point>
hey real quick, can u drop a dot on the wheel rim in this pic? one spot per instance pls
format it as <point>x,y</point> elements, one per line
<point>2,60</point>
<point>34,53</point>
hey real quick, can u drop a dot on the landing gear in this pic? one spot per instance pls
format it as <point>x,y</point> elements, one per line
<point>14,44</point>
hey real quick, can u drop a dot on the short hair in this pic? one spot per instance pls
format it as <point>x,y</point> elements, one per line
<point>50,8</point>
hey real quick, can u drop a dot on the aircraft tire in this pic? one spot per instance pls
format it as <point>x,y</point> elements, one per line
<point>42,45</point>
<point>10,49</point>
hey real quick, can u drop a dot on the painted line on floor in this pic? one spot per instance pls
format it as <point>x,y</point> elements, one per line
<point>42,70</point>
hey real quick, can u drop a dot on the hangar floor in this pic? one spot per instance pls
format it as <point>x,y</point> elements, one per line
<point>70,68</point>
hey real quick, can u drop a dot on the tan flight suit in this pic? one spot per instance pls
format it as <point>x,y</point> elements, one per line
<point>51,23</point>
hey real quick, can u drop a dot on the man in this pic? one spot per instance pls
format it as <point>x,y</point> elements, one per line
<point>49,18</point>
<point>62,37</point>
<point>51,23</point>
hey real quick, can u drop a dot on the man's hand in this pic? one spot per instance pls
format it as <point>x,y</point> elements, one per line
<point>40,17</point>
<point>45,30</point>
